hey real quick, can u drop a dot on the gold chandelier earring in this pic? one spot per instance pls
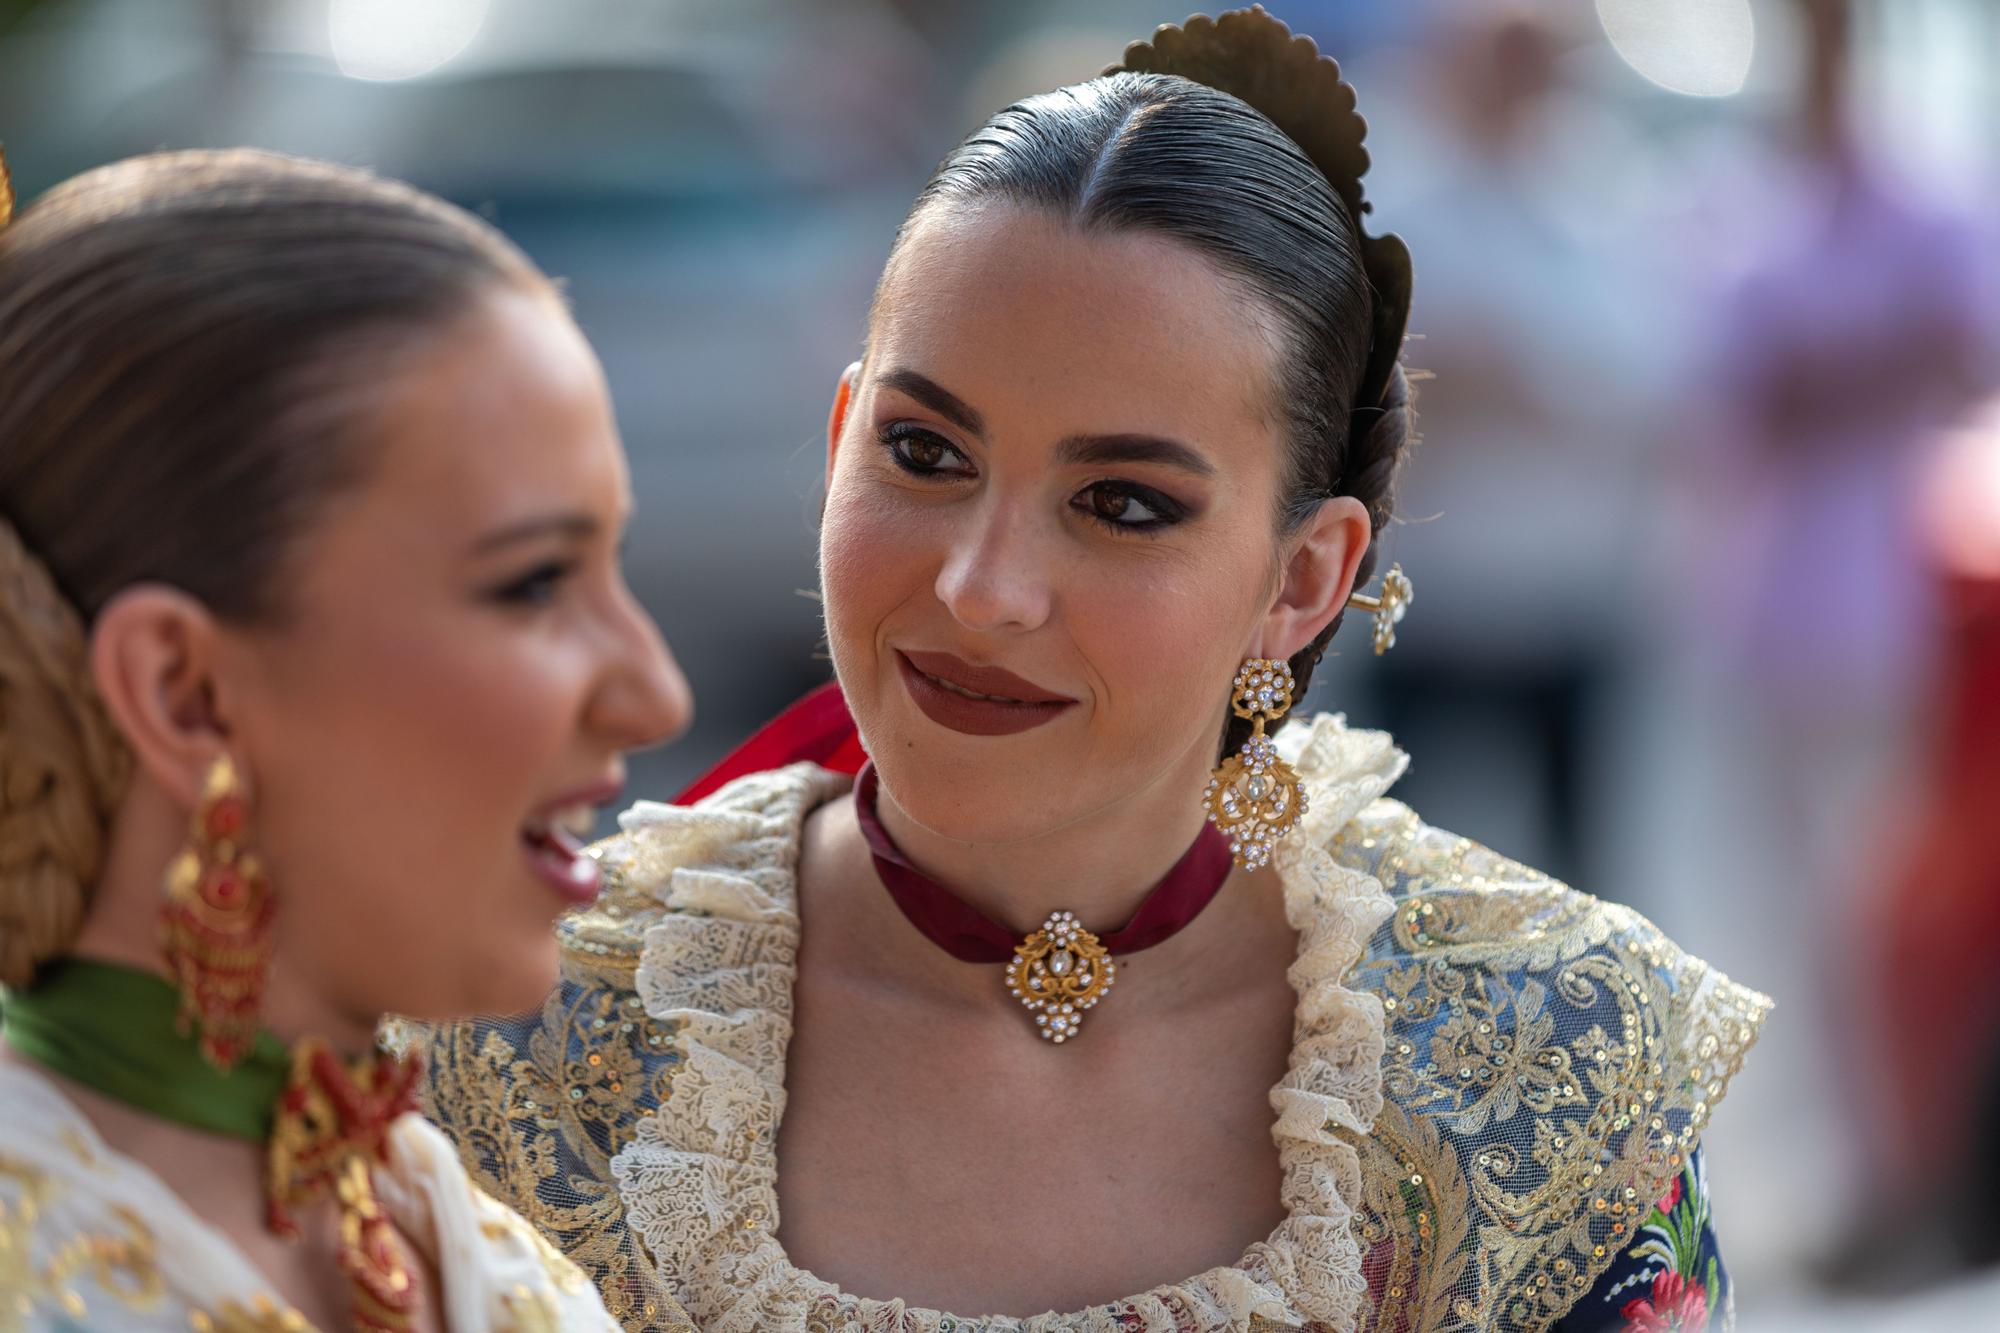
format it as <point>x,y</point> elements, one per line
<point>1254,797</point>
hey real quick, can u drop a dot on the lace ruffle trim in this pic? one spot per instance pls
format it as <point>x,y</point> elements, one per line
<point>699,1179</point>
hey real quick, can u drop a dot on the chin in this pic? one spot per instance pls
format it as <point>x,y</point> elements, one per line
<point>521,983</point>
<point>1004,789</point>
<point>972,789</point>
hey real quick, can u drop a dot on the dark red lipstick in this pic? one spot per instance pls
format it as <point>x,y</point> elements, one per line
<point>977,700</point>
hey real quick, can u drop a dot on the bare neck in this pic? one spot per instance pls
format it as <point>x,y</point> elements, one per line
<point>123,925</point>
<point>199,1166</point>
<point>1100,867</point>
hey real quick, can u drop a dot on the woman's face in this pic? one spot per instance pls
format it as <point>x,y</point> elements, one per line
<point>1061,461</point>
<point>460,663</point>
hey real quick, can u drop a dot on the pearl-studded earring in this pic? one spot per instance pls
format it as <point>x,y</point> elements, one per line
<point>1254,797</point>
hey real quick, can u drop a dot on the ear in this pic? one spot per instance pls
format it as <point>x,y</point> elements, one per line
<point>153,652</point>
<point>1318,576</point>
<point>836,420</point>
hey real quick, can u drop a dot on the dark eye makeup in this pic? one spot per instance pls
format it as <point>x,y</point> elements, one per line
<point>1125,506</point>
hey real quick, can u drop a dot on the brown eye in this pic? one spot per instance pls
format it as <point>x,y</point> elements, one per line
<point>1128,507</point>
<point>923,453</point>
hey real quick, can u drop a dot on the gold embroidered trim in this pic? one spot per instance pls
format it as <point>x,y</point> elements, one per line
<point>1551,1060</point>
<point>38,1270</point>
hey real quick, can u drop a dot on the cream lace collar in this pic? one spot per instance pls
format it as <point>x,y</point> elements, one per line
<point>699,1179</point>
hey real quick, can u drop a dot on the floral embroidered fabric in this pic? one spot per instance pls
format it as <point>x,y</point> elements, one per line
<point>1550,1061</point>
<point>635,1117</point>
<point>91,1239</point>
<point>1672,1280</point>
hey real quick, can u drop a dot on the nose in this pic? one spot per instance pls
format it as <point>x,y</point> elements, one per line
<point>642,699</point>
<point>994,577</point>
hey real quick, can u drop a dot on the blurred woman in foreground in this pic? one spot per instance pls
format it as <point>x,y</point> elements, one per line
<point>313,642</point>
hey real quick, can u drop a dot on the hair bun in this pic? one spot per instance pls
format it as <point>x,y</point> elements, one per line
<point>63,766</point>
<point>1254,57</point>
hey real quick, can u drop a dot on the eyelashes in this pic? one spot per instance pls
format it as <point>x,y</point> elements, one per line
<point>540,585</point>
<point>1123,506</point>
<point>537,587</point>
<point>922,453</point>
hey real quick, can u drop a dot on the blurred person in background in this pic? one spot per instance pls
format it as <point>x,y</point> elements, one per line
<point>1540,346</point>
<point>972,982</point>
<point>1932,931</point>
<point>1837,355</point>
<point>313,643</point>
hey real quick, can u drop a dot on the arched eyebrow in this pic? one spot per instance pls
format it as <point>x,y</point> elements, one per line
<point>1105,450</point>
<point>573,526</point>
<point>1075,451</point>
<point>936,397</point>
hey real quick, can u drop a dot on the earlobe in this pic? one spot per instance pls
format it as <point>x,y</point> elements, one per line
<point>152,658</point>
<point>1318,578</point>
<point>836,420</point>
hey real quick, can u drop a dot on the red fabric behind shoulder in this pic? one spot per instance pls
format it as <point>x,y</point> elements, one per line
<point>817,727</point>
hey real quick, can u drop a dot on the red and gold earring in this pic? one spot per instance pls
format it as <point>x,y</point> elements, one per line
<point>216,923</point>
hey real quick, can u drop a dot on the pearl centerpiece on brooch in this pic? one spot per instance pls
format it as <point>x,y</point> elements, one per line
<point>1059,972</point>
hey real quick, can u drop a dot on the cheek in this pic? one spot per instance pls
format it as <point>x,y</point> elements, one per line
<point>1161,635</point>
<point>395,799</point>
<point>875,554</point>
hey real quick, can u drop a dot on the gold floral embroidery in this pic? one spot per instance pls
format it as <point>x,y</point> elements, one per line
<point>1417,1198</point>
<point>260,1316</point>
<point>538,1107</point>
<point>532,1312</point>
<point>502,1223</point>
<point>1550,1060</point>
<point>37,1269</point>
<point>79,1148</point>
<point>20,1282</point>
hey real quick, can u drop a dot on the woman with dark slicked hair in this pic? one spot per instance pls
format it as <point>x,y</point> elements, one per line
<point>312,642</point>
<point>1038,964</point>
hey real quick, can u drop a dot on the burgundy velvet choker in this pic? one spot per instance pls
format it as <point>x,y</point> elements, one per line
<point>1061,970</point>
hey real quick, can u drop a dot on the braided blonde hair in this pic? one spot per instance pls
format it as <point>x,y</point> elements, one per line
<point>63,767</point>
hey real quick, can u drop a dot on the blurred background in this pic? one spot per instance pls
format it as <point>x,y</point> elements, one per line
<point>1705,524</point>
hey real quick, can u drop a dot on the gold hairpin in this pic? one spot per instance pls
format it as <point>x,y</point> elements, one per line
<point>1388,608</point>
<point>6,191</point>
